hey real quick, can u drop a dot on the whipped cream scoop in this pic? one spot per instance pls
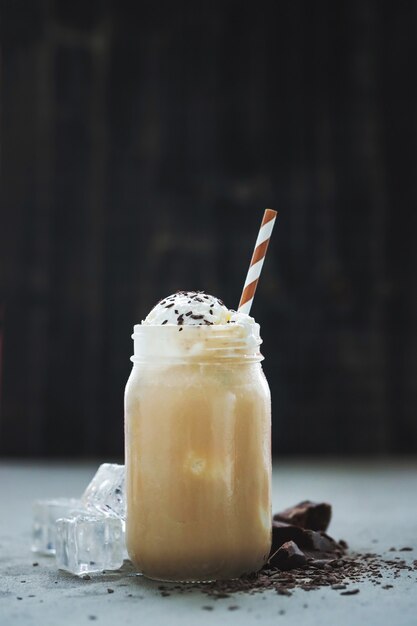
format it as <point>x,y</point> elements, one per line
<point>193,308</point>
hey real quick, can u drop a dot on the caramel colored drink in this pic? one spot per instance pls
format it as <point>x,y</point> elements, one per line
<point>198,460</point>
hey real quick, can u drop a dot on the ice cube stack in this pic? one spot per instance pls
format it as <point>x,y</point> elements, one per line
<point>86,535</point>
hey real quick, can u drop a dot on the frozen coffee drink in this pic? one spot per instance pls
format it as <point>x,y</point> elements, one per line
<point>198,443</point>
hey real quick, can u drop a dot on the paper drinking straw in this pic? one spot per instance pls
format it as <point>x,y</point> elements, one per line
<point>258,257</point>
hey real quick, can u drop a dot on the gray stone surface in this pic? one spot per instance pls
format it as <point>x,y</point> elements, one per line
<point>374,504</point>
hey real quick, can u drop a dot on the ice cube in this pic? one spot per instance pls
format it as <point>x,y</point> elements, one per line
<point>89,543</point>
<point>106,491</point>
<point>45,514</point>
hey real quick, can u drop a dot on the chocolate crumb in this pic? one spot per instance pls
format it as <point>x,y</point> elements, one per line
<point>86,577</point>
<point>109,590</point>
<point>350,592</point>
<point>387,587</point>
<point>92,617</point>
<point>35,564</point>
<point>168,306</point>
<point>164,322</point>
<point>165,593</point>
<point>406,549</point>
<point>207,608</point>
<point>19,598</point>
<point>180,329</point>
<point>234,607</point>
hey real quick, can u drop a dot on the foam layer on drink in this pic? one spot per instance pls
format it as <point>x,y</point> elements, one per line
<point>193,324</point>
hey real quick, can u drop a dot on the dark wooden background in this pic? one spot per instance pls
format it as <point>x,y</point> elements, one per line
<point>140,142</point>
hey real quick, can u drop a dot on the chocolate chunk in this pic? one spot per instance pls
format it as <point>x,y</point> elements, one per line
<point>305,539</point>
<point>307,514</point>
<point>288,556</point>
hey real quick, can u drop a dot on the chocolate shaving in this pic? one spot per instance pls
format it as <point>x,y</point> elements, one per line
<point>197,317</point>
<point>164,322</point>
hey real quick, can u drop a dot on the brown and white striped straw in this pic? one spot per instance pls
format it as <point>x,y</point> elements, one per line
<point>258,257</point>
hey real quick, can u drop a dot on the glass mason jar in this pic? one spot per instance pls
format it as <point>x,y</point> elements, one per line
<point>198,453</point>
